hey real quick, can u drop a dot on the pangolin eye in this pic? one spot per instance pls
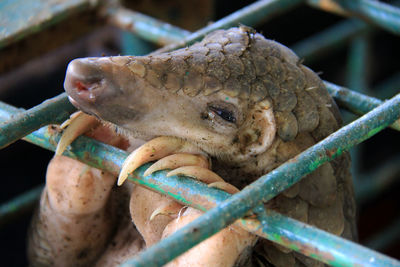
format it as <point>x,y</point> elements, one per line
<point>223,113</point>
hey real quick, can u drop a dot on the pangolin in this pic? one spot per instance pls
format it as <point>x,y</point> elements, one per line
<point>243,102</point>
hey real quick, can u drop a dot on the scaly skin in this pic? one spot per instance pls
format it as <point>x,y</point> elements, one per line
<point>246,102</point>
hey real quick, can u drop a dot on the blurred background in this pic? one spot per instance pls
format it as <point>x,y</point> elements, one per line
<point>367,60</point>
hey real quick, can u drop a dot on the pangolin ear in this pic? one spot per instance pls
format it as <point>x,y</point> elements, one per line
<point>258,131</point>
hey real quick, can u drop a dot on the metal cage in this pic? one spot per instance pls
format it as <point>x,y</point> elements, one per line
<point>33,125</point>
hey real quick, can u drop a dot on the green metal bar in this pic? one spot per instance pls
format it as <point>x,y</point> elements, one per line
<point>357,68</point>
<point>331,39</point>
<point>249,15</point>
<point>20,18</point>
<point>357,64</point>
<point>144,26</point>
<point>379,13</point>
<point>304,238</point>
<point>52,111</point>
<point>389,87</point>
<point>132,45</point>
<point>187,191</point>
<point>355,102</point>
<point>19,205</point>
<point>268,186</point>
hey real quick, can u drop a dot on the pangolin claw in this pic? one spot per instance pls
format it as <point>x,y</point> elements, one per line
<point>199,173</point>
<point>224,186</point>
<point>78,124</point>
<point>178,160</point>
<point>168,209</point>
<point>155,149</point>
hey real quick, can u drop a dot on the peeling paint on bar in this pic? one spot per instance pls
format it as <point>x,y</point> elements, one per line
<point>52,111</point>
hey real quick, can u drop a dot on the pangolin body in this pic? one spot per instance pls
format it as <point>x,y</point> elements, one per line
<point>247,102</point>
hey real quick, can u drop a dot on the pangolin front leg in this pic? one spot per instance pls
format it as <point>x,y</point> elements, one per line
<point>163,216</point>
<point>76,221</point>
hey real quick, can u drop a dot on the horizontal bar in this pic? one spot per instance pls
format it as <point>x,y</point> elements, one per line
<point>20,18</point>
<point>19,205</point>
<point>268,186</point>
<point>110,159</point>
<point>384,15</point>
<point>249,15</point>
<point>144,26</point>
<point>355,102</point>
<point>333,38</point>
<point>52,111</point>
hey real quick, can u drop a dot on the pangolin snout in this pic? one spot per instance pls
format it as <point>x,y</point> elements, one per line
<point>84,80</point>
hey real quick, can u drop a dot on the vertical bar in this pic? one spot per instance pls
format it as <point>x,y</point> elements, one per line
<point>357,68</point>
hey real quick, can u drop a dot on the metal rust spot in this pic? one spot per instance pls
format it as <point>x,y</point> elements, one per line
<point>330,152</point>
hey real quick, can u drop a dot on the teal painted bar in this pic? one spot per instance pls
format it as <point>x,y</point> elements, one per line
<point>52,111</point>
<point>329,40</point>
<point>187,191</point>
<point>355,102</point>
<point>249,15</point>
<point>384,15</point>
<point>19,205</point>
<point>357,79</point>
<point>357,64</point>
<point>20,18</point>
<point>146,27</point>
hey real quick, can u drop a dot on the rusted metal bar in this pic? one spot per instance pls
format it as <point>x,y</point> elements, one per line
<point>52,111</point>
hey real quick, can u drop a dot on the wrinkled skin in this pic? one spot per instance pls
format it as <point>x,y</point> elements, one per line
<point>246,102</point>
